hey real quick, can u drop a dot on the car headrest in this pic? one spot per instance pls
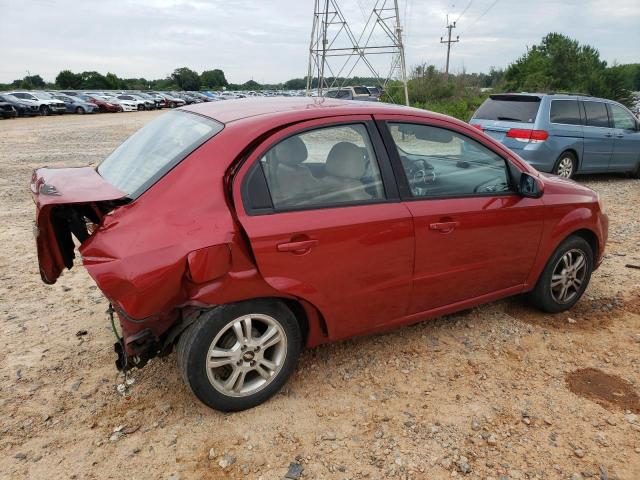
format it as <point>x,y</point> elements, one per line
<point>346,160</point>
<point>291,151</point>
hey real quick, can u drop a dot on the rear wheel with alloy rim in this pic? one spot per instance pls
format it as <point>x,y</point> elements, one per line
<point>565,277</point>
<point>236,356</point>
<point>566,165</point>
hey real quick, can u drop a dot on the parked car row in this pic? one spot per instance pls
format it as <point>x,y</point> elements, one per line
<point>57,102</point>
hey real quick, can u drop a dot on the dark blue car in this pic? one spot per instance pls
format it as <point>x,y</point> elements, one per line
<point>76,104</point>
<point>564,134</point>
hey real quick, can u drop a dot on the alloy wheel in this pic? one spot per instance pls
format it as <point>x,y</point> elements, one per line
<point>565,167</point>
<point>568,276</point>
<point>246,355</point>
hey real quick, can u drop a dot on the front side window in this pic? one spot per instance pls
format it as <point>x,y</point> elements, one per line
<point>622,118</point>
<point>442,163</point>
<point>155,149</point>
<point>597,115</point>
<point>565,111</point>
<point>323,167</point>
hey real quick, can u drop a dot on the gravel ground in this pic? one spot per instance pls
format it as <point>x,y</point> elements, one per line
<point>486,393</point>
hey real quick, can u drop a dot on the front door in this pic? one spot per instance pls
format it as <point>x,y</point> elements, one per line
<point>626,147</point>
<point>598,138</point>
<point>321,210</point>
<point>474,235</point>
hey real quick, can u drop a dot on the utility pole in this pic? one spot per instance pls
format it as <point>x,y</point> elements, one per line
<point>450,27</point>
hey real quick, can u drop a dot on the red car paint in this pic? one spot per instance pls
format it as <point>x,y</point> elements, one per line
<point>188,241</point>
<point>103,105</point>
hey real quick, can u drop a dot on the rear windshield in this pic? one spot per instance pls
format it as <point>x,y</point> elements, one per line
<point>147,155</point>
<point>509,108</point>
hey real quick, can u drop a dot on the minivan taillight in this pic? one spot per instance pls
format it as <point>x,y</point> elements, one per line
<point>478,126</point>
<point>533,136</point>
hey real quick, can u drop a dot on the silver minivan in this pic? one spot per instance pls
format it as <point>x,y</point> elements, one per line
<point>563,134</point>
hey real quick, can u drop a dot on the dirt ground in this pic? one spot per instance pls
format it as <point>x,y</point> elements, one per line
<point>487,393</point>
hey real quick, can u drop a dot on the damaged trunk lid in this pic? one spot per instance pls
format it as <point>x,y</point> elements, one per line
<point>68,201</point>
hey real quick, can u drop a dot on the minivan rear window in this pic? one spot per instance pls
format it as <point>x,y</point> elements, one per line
<point>565,111</point>
<point>147,155</point>
<point>509,108</point>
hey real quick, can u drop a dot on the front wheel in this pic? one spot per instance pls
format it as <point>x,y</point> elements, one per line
<point>80,111</point>
<point>45,110</point>
<point>565,277</point>
<point>237,356</point>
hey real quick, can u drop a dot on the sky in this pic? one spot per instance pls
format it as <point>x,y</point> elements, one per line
<point>268,40</point>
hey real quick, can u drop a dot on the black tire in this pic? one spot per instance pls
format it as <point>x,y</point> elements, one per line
<point>636,172</point>
<point>80,111</point>
<point>45,110</point>
<point>194,343</point>
<point>542,297</point>
<point>560,167</point>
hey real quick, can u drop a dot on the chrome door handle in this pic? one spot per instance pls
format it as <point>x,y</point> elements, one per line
<point>444,227</point>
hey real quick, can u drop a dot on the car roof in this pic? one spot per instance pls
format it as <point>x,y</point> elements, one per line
<point>300,107</point>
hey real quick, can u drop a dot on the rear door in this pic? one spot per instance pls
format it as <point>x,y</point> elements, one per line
<point>320,207</point>
<point>626,146</point>
<point>474,235</point>
<point>598,137</point>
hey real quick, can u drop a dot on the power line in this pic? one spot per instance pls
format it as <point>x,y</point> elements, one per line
<point>463,11</point>
<point>480,17</point>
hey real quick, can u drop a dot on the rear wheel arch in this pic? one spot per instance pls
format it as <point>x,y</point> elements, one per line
<point>309,318</point>
<point>574,152</point>
<point>576,161</point>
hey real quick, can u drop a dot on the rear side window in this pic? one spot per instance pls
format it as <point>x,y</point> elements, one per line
<point>147,155</point>
<point>565,111</point>
<point>597,115</point>
<point>324,167</point>
<point>361,90</point>
<point>509,108</point>
<point>622,118</point>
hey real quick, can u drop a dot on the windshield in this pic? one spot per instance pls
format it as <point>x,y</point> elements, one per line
<point>147,155</point>
<point>509,108</point>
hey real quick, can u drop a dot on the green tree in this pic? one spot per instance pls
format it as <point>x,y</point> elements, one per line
<point>94,81</point>
<point>251,85</point>
<point>561,64</point>
<point>213,79</point>
<point>186,79</point>
<point>68,79</point>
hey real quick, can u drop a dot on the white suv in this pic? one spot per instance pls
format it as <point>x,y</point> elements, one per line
<point>46,103</point>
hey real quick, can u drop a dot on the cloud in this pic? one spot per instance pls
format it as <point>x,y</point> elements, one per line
<point>268,40</point>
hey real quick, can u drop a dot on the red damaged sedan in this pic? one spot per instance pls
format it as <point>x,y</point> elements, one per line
<point>241,232</point>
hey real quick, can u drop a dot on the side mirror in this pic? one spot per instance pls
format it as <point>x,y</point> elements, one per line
<point>530,186</point>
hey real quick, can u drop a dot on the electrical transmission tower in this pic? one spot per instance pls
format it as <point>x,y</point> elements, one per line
<point>335,51</point>
<point>450,27</point>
